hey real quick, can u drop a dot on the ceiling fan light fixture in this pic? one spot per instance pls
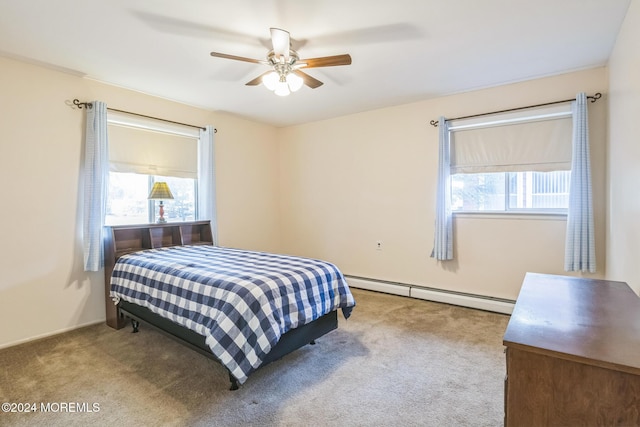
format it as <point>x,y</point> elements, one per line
<point>294,81</point>
<point>270,80</point>
<point>282,88</point>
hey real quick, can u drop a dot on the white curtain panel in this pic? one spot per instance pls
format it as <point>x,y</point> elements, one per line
<point>580,253</point>
<point>206,180</point>
<point>96,184</point>
<point>443,239</point>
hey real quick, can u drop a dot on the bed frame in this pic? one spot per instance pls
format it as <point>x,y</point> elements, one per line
<point>121,240</point>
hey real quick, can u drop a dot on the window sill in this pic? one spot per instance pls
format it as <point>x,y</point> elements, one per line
<point>551,216</point>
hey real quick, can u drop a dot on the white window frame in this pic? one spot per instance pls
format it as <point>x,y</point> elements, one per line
<point>154,125</point>
<point>492,121</point>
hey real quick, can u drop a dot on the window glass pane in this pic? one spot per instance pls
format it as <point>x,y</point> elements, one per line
<point>182,207</point>
<point>539,190</point>
<point>478,192</point>
<point>127,199</point>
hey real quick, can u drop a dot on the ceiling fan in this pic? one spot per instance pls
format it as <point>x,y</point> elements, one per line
<point>285,76</point>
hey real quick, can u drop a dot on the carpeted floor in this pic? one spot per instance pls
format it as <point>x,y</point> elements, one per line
<point>396,362</point>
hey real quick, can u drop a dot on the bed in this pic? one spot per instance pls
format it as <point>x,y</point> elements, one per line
<point>242,308</point>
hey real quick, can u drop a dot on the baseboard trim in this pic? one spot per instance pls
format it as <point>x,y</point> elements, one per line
<point>49,334</point>
<point>379,286</point>
<point>481,302</point>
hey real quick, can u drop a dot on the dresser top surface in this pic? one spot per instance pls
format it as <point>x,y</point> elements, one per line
<point>588,320</point>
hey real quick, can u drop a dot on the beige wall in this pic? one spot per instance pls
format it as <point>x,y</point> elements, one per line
<point>351,181</point>
<point>623,244</point>
<point>329,189</point>
<point>43,288</point>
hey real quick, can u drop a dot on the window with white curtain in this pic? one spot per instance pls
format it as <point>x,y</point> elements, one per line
<point>512,162</point>
<point>141,152</point>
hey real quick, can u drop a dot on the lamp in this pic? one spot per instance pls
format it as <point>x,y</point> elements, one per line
<point>160,191</point>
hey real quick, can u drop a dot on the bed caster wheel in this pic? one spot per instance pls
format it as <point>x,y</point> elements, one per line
<point>234,382</point>
<point>135,325</point>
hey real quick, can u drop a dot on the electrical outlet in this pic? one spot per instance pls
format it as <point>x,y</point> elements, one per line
<point>378,245</point>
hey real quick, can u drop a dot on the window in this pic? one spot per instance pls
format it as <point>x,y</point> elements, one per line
<point>127,200</point>
<point>510,191</point>
<point>142,152</point>
<point>514,162</point>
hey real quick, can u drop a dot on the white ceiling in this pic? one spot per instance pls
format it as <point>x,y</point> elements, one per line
<point>402,50</point>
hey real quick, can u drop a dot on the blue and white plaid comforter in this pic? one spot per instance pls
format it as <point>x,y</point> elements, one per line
<point>241,301</point>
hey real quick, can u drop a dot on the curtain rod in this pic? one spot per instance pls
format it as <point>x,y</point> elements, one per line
<point>88,105</point>
<point>593,98</point>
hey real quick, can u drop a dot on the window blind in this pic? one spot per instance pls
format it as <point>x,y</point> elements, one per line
<point>530,140</point>
<point>152,147</point>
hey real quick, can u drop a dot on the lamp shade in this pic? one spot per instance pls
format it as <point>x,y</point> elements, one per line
<point>295,82</point>
<point>282,88</point>
<point>160,191</point>
<point>270,80</point>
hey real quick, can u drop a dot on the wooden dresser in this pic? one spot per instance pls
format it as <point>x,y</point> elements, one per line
<point>573,354</point>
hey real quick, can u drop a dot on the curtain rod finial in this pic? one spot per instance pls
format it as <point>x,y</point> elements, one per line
<point>434,123</point>
<point>79,104</point>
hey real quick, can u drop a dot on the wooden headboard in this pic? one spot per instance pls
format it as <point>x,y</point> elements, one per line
<point>124,239</point>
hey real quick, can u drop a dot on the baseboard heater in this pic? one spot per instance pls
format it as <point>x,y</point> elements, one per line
<point>481,302</point>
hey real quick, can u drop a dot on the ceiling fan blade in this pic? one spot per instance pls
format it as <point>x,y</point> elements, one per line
<point>237,58</point>
<point>281,43</point>
<point>181,27</point>
<point>257,80</point>
<point>326,61</point>
<point>308,80</point>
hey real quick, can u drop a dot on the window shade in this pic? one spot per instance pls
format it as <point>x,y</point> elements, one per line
<point>532,140</point>
<point>150,147</point>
